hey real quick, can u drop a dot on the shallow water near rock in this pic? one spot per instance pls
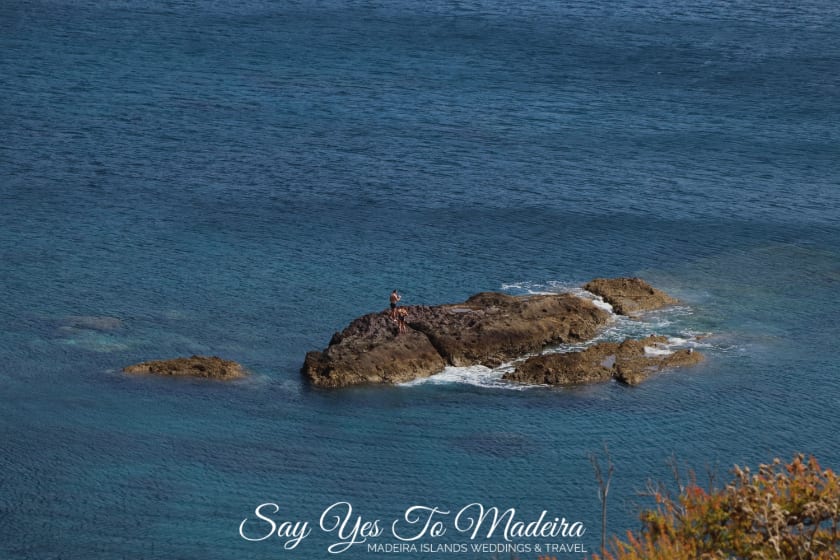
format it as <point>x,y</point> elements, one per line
<point>242,179</point>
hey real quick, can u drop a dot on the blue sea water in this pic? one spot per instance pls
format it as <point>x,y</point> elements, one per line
<point>243,178</point>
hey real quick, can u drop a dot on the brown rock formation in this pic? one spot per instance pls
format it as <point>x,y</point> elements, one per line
<point>629,296</point>
<point>635,366</point>
<point>593,365</point>
<point>196,366</point>
<point>369,350</point>
<point>491,328</point>
<point>627,362</point>
<point>488,329</point>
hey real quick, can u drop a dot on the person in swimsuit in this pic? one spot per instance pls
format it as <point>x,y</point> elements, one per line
<point>395,297</point>
<point>402,315</point>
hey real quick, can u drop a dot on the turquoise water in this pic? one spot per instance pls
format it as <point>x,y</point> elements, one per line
<point>244,178</point>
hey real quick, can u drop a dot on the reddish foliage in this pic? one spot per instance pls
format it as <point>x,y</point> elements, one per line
<point>783,511</point>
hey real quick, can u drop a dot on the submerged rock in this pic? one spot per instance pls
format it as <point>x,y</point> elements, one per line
<point>629,296</point>
<point>487,329</point>
<point>211,367</point>
<point>92,322</point>
<point>629,362</point>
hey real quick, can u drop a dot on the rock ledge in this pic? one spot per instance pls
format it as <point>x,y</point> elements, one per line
<point>629,296</point>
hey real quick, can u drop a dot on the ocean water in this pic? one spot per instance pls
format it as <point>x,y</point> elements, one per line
<point>243,178</point>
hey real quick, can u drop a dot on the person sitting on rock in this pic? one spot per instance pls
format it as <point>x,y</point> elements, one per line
<point>402,315</point>
<point>395,297</point>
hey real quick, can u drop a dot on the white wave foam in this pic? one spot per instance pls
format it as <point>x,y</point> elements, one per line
<point>686,340</point>
<point>555,287</point>
<point>600,303</point>
<point>657,351</point>
<point>597,301</point>
<point>541,288</point>
<point>479,376</point>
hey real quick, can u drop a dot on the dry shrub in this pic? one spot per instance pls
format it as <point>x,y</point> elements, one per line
<point>781,512</point>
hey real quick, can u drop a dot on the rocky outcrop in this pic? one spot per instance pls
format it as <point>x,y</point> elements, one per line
<point>370,350</point>
<point>629,362</point>
<point>487,329</point>
<point>491,328</point>
<point>211,367</point>
<point>629,296</point>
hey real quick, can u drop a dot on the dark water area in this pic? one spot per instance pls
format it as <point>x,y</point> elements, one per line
<point>244,178</point>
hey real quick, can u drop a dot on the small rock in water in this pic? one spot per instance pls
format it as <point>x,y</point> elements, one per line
<point>211,367</point>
